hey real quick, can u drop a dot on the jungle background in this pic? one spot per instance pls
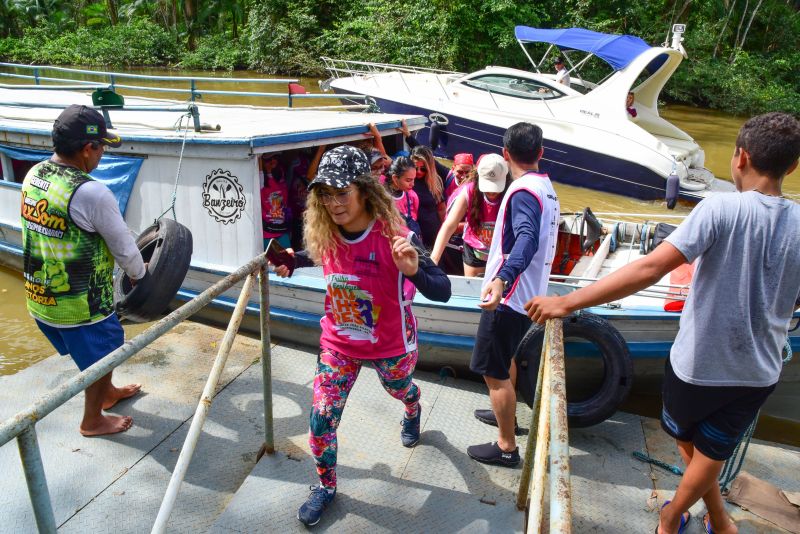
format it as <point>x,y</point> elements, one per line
<point>744,55</point>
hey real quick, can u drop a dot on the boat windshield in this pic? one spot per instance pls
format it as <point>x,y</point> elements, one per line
<point>516,86</point>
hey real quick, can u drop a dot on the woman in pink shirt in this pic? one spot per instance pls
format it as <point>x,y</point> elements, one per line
<point>372,270</point>
<point>480,202</point>
<point>400,184</point>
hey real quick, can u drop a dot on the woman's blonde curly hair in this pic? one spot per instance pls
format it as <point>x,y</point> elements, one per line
<point>321,236</point>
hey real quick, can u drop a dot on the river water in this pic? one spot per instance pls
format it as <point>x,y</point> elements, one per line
<point>21,343</point>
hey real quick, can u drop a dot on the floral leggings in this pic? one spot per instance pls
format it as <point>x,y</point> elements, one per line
<point>336,373</point>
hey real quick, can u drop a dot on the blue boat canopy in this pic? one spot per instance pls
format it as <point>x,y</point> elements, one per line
<point>616,50</point>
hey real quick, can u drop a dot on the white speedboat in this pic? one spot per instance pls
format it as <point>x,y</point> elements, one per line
<point>591,139</point>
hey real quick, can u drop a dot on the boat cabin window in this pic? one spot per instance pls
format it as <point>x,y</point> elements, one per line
<point>508,85</point>
<point>14,170</point>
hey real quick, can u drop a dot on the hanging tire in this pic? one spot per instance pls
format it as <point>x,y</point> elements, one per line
<point>617,364</point>
<point>166,247</point>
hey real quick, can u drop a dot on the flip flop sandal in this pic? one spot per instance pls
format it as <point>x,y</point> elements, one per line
<point>707,524</point>
<point>684,520</point>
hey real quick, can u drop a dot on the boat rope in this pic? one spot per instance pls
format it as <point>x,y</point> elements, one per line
<point>734,464</point>
<point>674,469</point>
<point>179,123</point>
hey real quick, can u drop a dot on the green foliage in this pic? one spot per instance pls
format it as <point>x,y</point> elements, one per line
<point>216,52</point>
<point>140,42</point>
<point>730,67</point>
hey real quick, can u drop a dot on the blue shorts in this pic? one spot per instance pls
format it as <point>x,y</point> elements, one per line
<point>86,344</point>
<point>712,418</point>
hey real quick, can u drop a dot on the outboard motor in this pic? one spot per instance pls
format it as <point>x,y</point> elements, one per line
<point>673,185</point>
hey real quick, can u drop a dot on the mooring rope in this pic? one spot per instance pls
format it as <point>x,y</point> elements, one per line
<point>179,123</point>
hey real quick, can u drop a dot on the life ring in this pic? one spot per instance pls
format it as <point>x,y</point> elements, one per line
<point>617,364</point>
<point>166,247</point>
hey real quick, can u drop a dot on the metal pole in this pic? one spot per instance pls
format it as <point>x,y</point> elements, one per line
<point>560,499</point>
<point>37,482</point>
<point>535,512</point>
<point>202,410</point>
<point>266,361</point>
<point>14,425</point>
<point>525,478</point>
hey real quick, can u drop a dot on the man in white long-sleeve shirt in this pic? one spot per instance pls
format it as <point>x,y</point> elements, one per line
<point>72,231</point>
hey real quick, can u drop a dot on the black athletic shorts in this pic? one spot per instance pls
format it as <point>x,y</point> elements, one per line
<point>712,418</point>
<point>470,258</point>
<point>499,333</point>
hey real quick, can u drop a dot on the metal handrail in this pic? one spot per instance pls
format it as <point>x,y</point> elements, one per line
<point>552,439</point>
<point>368,67</point>
<point>192,90</point>
<point>23,425</point>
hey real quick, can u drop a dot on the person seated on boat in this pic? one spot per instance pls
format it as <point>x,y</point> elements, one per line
<point>275,213</point>
<point>462,165</point>
<point>297,178</point>
<point>727,357</point>
<point>562,74</point>
<point>400,184</point>
<point>73,234</point>
<point>377,165</point>
<point>354,231</point>
<point>629,105</point>
<point>520,256</point>
<point>480,204</point>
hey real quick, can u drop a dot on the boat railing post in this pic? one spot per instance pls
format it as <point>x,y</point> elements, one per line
<point>113,80</point>
<point>525,478</point>
<point>266,359</point>
<point>36,75</point>
<point>195,116</point>
<point>37,482</point>
<point>192,88</point>
<point>536,503</point>
<point>560,499</point>
<point>203,407</point>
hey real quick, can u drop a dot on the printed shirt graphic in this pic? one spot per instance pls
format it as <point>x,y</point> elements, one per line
<point>274,201</point>
<point>480,238</point>
<point>368,301</point>
<point>409,199</point>
<point>68,271</point>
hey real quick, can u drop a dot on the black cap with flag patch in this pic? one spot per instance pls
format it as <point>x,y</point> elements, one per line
<point>84,123</point>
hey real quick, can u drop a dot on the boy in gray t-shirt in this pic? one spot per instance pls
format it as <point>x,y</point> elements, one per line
<point>726,358</point>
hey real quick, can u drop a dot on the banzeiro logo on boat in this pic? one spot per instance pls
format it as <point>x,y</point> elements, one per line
<point>223,196</point>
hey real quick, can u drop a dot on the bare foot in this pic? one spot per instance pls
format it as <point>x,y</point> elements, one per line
<point>115,394</point>
<point>107,424</point>
<point>729,528</point>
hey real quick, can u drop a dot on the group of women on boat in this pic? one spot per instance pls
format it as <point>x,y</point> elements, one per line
<point>380,229</point>
<point>451,210</point>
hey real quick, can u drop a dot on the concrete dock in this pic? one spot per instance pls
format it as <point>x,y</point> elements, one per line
<point>116,483</point>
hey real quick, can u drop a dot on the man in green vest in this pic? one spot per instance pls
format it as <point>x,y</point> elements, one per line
<point>72,232</point>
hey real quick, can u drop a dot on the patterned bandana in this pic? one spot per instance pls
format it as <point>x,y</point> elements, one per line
<point>340,166</point>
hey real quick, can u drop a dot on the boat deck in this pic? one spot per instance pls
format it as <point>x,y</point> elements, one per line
<point>117,483</point>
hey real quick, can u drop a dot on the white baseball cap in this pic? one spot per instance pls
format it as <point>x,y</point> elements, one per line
<point>492,172</point>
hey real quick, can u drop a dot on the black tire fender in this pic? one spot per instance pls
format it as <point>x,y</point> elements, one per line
<point>617,363</point>
<point>166,247</point>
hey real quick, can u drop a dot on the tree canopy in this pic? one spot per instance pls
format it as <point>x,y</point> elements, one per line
<point>744,55</point>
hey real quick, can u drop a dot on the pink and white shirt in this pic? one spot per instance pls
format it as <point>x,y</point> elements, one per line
<point>480,238</point>
<point>368,301</point>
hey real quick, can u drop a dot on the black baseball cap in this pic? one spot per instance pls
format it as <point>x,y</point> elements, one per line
<point>340,166</point>
<point>84,123</point>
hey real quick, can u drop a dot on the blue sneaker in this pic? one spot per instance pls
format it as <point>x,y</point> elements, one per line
<point>409,433</point>
<point>311,512</point>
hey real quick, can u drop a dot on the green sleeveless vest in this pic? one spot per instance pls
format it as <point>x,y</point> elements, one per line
<point>68,271</point>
